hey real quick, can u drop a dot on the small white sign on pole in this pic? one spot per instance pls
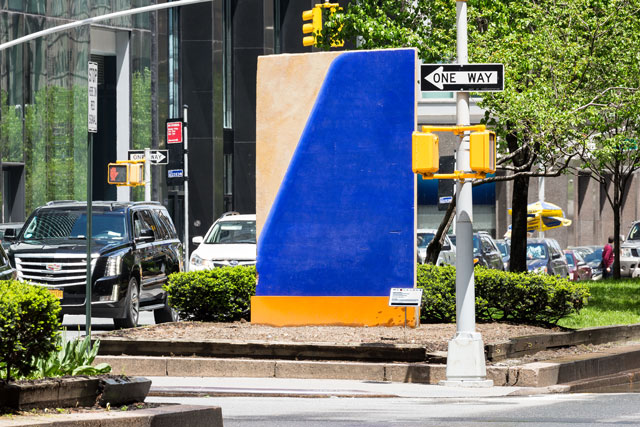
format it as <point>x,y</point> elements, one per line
<point>405,297</point>
<point>92,122</point>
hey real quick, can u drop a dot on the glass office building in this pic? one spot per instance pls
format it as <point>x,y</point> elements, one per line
<point>43,99</point>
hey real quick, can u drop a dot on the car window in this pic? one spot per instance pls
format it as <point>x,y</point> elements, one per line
<point>162,232</point>
<point>536,251</point>
<point>487,245</point>
<point>225,232</point>
<point>569,259</point>
<point>476,245</point>
<point>164,217</point>
<point>142,220</point>
<point>502,247</point>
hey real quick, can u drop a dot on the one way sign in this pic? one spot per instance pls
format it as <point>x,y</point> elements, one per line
<point>157,157</point>
<point>461,78</point>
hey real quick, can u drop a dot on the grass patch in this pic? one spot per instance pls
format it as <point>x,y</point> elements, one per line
<point>612,302</point>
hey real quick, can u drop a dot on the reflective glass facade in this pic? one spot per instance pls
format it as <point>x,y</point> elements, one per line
<point>43,98</point>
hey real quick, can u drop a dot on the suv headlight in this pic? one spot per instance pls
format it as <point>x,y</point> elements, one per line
<point>113,266</point>
<point>626,252</point>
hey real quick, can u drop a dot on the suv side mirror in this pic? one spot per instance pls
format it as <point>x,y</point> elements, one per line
<point>446,247</point>
<point>197,240</point>
<point>146,235</point>
<point>10,235</point>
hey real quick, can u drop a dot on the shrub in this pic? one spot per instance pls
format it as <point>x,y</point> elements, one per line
<point>220,295</point>
<point>74,357</point>
<point>518,297</point>
<point>28,325</point>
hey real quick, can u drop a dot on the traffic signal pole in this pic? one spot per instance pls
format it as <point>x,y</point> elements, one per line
<point>465,357</point>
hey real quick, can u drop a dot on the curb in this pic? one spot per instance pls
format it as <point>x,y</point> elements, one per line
<point>537,374</point>
<point>162,416</point>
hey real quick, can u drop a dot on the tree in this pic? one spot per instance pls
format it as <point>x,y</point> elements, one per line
<point>548,50</point>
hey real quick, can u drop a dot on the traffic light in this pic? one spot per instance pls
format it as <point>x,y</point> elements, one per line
<point>425,153</point>
<point>314,27</point>
<point>126,173</point>
<point>482,151</point>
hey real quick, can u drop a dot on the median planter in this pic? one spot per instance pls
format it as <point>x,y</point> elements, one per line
<point>73,391</point>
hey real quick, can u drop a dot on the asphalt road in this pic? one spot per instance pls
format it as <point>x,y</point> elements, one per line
<point>538,410</point>
<point>75,325</point>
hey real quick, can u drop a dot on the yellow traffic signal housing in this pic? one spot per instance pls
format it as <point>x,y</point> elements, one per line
<point>425,154</point>
<point>126,173</point>
<point>482,151</point>
<point>315,26</point>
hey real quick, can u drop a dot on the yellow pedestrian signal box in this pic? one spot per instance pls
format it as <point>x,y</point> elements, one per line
<point>425,153</point>
<point>482,151</point>
<point>126,173</point>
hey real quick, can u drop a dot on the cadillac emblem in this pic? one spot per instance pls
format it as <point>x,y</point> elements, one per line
<point>54,266</point>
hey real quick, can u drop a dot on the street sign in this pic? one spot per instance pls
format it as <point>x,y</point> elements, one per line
<point>157,157</point>
<point>461,77</point>
<point>405,297</point>
<point>92,120</point>
<point>175,173</point>
<point>174,132</point>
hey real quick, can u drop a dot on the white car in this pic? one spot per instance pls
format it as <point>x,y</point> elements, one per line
<point>230,241</point>
<point>447,254</point>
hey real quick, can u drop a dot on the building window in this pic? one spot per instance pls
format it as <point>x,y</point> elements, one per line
<point>227,66</point>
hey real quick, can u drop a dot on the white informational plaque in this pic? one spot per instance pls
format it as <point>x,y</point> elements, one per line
<point>405,297</point>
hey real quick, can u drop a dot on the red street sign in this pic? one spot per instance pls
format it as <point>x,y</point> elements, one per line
<point>174,132</point>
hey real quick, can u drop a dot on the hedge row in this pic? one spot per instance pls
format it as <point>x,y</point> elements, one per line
<point>224,295</point>
<point>519,297</point>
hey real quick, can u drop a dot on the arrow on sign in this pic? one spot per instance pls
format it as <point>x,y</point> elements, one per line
<point>462,77</point>
<point>439,77</point>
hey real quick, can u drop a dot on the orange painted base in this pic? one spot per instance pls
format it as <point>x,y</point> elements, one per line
<point>343,311</point>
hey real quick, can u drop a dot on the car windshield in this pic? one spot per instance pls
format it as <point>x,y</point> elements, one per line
<point>424,239</point>
<point>476,245</point>
<point>52,224</point>
<point>634,233</point>
<point>536,251</point>
<point>225,232</point>
<point>593,257</point>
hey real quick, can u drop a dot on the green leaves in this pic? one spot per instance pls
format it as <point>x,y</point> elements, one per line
<point>217,295</point>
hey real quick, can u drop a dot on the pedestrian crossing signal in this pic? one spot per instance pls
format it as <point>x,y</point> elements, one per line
<point>126,173</point>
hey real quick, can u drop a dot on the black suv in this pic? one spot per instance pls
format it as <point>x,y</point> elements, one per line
<point>134,248</point>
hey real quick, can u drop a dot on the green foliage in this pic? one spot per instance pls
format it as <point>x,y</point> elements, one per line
<point>73,358</point>
<point>612,302</point>
<point>218,295</point>
<point>140,117</point>
<point>518,297</point>
<point>28,325</point>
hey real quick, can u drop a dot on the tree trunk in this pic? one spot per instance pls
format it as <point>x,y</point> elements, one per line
<point>617,205</point>
<point>433,250</point>
<point>518,257</point>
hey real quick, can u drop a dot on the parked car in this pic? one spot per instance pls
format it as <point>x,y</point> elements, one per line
<point>578,267</point>
<point>230,241</point>
<point>486,252</point>
<point>592,255</point>
<point>11,229</point>
<point>504,245</point>
<point>545,256</point>
<point>134,248</point>
<point>630,251</point>
<point>447,254</point>
<point>7,272</point>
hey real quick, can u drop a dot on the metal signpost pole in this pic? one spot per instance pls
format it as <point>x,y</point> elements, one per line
<point>92,127</point>
<point>186,187</point>
<point>465,358</point>
<point>147,175</point>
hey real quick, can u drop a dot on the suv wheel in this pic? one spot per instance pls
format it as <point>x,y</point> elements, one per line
<point>165,314</point>
<point>133,307</point>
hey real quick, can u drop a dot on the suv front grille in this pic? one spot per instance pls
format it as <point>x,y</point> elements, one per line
<point>54,270</point>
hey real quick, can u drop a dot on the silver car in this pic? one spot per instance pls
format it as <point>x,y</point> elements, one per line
<point>447,253</point>
<point>630,251</point>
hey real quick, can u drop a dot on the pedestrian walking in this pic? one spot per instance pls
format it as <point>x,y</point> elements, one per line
<point>607,259</point>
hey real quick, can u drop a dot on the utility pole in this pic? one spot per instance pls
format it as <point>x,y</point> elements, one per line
<point>465,357</point>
